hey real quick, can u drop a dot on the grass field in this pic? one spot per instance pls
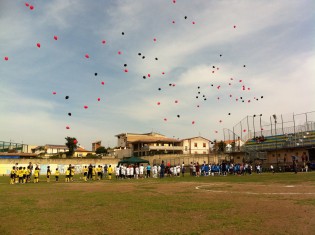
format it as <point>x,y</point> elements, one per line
<point>257,204</point>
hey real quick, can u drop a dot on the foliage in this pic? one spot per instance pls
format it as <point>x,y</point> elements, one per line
<point>221,147</point>
<point>92,156</point>
<point>101,150</point>
<point>71,144</point>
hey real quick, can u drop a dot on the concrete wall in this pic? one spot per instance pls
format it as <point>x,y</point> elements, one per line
<point>7,164</point>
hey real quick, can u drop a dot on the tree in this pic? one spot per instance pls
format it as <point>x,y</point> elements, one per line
<point>101,150</point>
<point>71,144</point>
<point>221,146</point>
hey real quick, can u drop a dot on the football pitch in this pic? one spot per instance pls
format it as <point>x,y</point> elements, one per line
<point>265,203</point>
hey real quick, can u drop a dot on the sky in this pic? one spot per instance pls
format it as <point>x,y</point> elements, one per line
<point>95,69</point>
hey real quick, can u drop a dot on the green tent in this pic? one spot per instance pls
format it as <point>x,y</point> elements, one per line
<point>133,160</point>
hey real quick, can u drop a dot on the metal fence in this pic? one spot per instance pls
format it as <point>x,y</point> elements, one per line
<point>257,125</point>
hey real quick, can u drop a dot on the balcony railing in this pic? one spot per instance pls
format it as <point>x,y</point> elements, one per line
<point>168,148</point>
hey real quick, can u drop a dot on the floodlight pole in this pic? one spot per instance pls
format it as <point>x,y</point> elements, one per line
<point>275,118</point>
<point>254,124</point>
<point>260,125</point>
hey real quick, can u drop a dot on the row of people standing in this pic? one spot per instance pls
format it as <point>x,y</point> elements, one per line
<point>135,171</point>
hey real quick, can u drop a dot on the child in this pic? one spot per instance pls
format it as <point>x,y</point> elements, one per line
<point>110,171</point>
<point>57,174</point>
<point>21,173</point>
<point>67,179</point>
<point>93,173</point>
<point>48,174</point>
<point>36,174</point>
<point>28,174</point>
<point>72,171</point>
<point>12,175</point>
<point>85,172</point>
<point>117,172</point>
<point>16,175</point>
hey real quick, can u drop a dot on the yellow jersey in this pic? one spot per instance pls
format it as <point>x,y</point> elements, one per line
<point>36,173</point>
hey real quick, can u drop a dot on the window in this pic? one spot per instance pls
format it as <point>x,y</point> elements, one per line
<point>195,145</point>
<point>196,152</point>
<point>204,145</point>
<point>186,148</point>
<point>204,152</point>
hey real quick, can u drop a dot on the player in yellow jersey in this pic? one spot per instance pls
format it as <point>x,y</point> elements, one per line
<point>20,174</point>
<point>36,174</point>
<point>67,179</point>
<point>72,171</point>
<point>16,174</point>
<point>94,173</point>
<point>12,175</point>
<point>57,174</point>
<point>99,171</point>
<point>110,171</point>
<point>24,175</point>
<point>85,172</point>
<point>28,174</point>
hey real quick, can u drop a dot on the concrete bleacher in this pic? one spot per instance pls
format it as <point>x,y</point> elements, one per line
<point>300,139</point>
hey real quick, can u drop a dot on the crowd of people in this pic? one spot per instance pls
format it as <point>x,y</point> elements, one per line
<point>91,172</point>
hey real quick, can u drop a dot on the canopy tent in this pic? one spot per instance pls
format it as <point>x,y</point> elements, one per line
<point>133,160</point>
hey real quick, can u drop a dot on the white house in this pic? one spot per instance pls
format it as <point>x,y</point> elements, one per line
<point>196,145</point>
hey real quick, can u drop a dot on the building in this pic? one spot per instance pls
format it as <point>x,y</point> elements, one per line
<point>96,145</point>
<point>50,150</point>
<point>196,145</point>
<point>148,144</point>
<point>81,152</point>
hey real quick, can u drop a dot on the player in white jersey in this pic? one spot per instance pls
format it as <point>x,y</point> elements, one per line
<point>155,171</point>
<point>141,169</point>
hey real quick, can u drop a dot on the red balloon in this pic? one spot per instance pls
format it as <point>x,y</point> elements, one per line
<point>193,22</point>
<point>193,122</point>
<point>6,58</point>
<point>38,45</point>
<point>75,141</point>
<point>87,56</point>
<point>165,119</point>
<point>85,106</point>
<point>176,101</point>
<point>27,4</point>
<point>149,75</point>
<point>154,39</point>
<point>119,52</point>
<point>32,7</point>
<point>98,99</point>
<point>173,21</point>
<point>54,93</point>
<point>158,103</point>
<point>126,70</point>
<point>103,41</point>
<point>102,83</point>
<point>55,37</point>
<point>67,127</point>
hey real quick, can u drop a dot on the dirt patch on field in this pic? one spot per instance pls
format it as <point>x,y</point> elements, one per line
<point>163,207</point>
